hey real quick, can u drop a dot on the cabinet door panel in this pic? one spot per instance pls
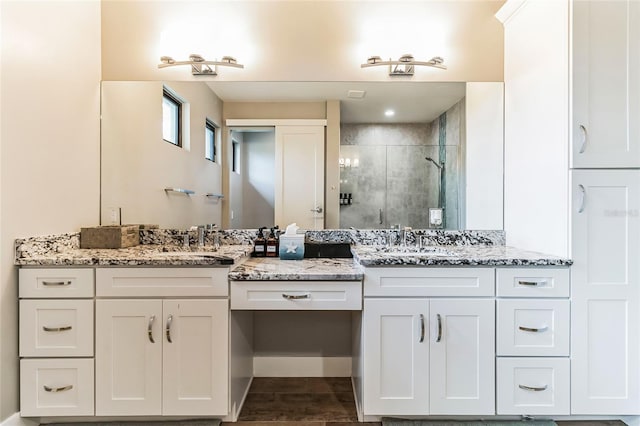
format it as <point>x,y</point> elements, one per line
<point>128,363</point>
<point>195,373</point>
<point>396,357</point>
<point>606,80</point>
<point>605,367</point>
<point>462,357</point>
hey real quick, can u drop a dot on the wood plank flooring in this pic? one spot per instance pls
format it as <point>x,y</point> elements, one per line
<point>316,401</point>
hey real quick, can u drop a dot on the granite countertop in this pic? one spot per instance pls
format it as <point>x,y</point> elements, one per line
<point>142,255</point>
<point>274,269</point>
<point>454,255</point>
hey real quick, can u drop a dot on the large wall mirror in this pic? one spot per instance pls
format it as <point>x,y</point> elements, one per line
<point>405,149</point>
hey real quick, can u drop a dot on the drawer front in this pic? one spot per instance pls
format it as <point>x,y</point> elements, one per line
<point>528,327</point>
<point>532,282</point>
<point>159,282</point>
<point>50,328</point>
<point>533,386</point>
<point>56,387</point>
<point>55,283</point>
<point>465,282</point>
<point>296,295</point>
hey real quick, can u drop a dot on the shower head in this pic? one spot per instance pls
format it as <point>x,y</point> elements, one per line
<point>439,166</point>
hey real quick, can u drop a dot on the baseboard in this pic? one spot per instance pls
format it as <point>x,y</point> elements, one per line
<point>302,366</point>
<point>16,420</point>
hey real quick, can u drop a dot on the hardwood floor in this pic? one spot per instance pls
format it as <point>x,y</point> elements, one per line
<point>316,401</point>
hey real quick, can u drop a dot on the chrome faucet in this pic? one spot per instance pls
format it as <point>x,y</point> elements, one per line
<point>200,236</point>
<point>403,235</point>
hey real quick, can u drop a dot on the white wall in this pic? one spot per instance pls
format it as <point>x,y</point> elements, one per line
<point>49,141</point>
<point>137,164</point>
<point>302,40</point>
<point>536,126</point>
<point>483,157</point>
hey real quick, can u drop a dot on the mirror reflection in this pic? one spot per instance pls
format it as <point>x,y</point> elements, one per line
<point>404,154</point>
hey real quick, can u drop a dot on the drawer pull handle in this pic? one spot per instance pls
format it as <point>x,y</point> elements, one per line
<point>532,388</point>
<point>60,389</point>
<point>168,328</point>
<point>296,296</point>
<point>534,330</point>
<point>152,318</point>
<point>56,283</point>
<point>64,328</point>
<point>532,283</point>
<point>439,328</point>
<point>421,328</point>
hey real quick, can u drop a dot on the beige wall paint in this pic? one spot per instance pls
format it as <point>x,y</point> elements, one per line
<point>137,164</point>
<point>49,141</point>
<point>302,40</point>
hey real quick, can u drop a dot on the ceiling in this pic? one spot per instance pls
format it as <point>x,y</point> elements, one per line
<point>412,102</point>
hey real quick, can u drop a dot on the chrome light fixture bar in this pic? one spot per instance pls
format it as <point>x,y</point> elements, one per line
<point>405,65</point>
<point>199,66</point>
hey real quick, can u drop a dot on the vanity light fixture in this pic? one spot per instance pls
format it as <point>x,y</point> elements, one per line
<point>200,66</point>
<point>405,65</point>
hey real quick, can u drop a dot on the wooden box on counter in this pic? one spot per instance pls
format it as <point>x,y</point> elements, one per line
<point>112,236</point>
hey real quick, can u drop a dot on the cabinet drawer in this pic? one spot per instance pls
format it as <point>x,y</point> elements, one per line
<point>532,282</point>
<point>56,387</point>
<point>533,386</point>
<point>55,283</point>
<point>56,328</point>
<point>296,295</point>
<point>528,327</point>
<point>466,282</point>
<point>159,282</point>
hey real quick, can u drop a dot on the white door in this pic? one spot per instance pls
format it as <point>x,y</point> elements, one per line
<point>605,291</point>
<point>299,183</point>
<point>195,357</point>
<point>606,84</point>
<point>396,357</point>
<point>128,357</point>
<point>462,360</point>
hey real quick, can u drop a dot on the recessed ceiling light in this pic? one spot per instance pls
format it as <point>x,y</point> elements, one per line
<point>389,113</point>
<point>356,94</point>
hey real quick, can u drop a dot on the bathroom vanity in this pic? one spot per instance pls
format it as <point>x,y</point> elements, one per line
<point>447,330</point>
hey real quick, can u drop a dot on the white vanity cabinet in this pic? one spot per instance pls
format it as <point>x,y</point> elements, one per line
<point>533,341</point>
<point>424,352</point>
<point>162,355</point>
<point>56,341</point>
<point>606,81</point>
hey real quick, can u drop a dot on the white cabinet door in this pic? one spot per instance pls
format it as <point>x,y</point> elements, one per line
<point>195,357</point>
<point>128,357</point>
<point>396,357</point>
<point>605,289</point>
<point>606,84</point>
<point>462,342</point>
<point>299,182</point>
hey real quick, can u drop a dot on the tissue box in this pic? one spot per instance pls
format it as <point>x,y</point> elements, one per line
<point>291,247</point>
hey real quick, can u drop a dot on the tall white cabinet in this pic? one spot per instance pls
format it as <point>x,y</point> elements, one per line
<point>595,47</point>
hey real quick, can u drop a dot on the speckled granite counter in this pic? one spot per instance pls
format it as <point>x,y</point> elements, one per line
<point>455,255</point>
<point>274,269</point>
<point>63,250</point>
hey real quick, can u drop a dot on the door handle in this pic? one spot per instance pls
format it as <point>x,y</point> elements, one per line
<point>439,338</point>
<point>421,328</point>
<point>168,328</point>
<point>152,318</point>
<point>317,210</point>
<point>583,145</point>
<point>583,198</point>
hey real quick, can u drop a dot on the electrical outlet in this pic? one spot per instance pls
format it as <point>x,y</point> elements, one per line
<point>114,215</point>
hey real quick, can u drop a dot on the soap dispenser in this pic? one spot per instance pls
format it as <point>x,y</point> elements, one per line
<point>259,245</point>
<point>272,244</point>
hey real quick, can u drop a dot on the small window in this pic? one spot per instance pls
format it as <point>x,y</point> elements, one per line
<point>235,160</point>
<point>171,118</point>
<point>210,141</point>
